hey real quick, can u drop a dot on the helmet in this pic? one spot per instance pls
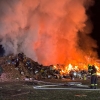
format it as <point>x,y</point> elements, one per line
<point>89,65</point>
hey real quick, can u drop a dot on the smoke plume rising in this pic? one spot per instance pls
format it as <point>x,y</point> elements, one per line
<point>48,31</point>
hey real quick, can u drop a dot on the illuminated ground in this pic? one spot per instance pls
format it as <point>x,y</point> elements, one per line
<point>24,91</point>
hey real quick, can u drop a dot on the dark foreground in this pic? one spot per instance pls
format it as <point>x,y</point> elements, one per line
<point>22,90</point>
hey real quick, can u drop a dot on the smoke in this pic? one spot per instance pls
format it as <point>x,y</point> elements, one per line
<point>48,31</point>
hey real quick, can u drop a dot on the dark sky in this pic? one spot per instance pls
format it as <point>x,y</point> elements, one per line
<point>95,17</point>
<point>1,51</point>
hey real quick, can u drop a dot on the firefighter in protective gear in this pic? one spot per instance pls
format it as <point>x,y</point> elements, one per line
<point>93,72</point>
<point>89,68</point>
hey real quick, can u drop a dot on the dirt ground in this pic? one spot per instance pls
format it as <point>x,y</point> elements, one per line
<point>23,90</point>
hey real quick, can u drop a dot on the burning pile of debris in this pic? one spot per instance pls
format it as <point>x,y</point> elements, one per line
<point>21,67</point>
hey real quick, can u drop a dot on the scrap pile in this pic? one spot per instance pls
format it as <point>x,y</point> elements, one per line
<point>21,67</point>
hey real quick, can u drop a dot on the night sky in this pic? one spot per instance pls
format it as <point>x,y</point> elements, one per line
<point>1,50</point>
<point>95,17</point>
<point>94,12</point>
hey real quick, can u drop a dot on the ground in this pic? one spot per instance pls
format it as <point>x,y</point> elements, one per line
<point>23,90</point>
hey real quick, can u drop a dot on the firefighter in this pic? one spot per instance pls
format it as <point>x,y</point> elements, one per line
<point>93,77</point>
<point>89,68</point>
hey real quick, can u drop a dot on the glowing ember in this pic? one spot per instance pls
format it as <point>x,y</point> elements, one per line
<point>98,70</point>
<point>65,69</point>
<point>98,74</point>
<point>70,67</point>
<point>55,67</point>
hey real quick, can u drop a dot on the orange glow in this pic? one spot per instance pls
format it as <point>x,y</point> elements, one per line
<point>49,32</point>
<point>65,69</point>
<point>98,73</point>
<point>55,67</point>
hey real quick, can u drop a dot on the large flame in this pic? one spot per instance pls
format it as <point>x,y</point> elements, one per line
<point>65,69</point>
<point>48,31</point>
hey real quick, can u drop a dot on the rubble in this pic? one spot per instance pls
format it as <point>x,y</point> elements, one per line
<point>21,67</point>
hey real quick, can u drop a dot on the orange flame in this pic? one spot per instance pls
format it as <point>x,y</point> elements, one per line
<point>65,69</point>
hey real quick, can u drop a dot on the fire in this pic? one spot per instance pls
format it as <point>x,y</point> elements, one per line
<point>98,73</point>
<point>65,69</point>
<point>98,70</point>
<point>69,67</point>
<point>50,26</point>
<point>54,67</point>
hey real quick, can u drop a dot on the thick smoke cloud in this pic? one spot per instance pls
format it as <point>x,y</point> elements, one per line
<point>48,31</point>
